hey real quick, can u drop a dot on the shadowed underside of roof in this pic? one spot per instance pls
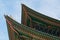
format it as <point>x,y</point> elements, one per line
<point>28,11</point>
<point>21,29</point>
<point>34,26</point>
<point>40,22</point>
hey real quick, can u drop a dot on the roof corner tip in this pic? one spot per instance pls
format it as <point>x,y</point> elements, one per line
<point>23,4</point>
<point>5,15</point>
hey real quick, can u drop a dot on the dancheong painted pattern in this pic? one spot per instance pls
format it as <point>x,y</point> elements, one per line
<point>33,26</point>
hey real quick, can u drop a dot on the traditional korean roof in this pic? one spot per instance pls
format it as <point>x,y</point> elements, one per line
<point>40,21</point>
<point>26,11</point>
<point>17,30</point>
<point>34,25</point>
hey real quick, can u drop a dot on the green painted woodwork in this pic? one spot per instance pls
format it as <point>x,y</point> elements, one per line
<point>33,26</point>
<point>34,18</point>
<point>31,11</point>
<point>44,25</point>
<point>19,26</point>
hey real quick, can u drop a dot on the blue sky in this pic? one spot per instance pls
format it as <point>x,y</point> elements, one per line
<point>13,8</point>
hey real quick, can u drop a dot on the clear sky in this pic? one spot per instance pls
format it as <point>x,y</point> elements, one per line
<point>13,8</point>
